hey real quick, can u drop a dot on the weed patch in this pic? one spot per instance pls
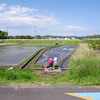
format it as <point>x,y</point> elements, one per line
<point>85,69</point>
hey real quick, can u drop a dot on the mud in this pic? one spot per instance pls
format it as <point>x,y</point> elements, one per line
<point>49,75</point>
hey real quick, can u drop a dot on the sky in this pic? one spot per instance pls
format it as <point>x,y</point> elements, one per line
<point>50,17</point>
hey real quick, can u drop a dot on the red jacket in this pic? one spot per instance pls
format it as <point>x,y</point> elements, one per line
<point>50,61</point>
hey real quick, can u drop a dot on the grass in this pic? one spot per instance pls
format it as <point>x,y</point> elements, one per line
<point>85,67</point>
<point>40,65</point>
<point>17,75</point>
<point>20,76</point>
<point>85,72</point>
<point>70,42</point>
<point>40,41</point>
<point>37,65</point>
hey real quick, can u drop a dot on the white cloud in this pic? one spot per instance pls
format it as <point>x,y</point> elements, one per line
<point>17,16</point>
<point>47,20</point>
<point>19,10</point>
<point>76,28</point>
<point>2,6</point>
<point>22,20</point>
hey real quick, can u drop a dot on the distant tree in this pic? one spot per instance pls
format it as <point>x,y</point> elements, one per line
<point>10,37</point>
<point>28,37</point>
<point>3,35</point>
<point>46,36</point>
<point>94,36</point>
<point>38,37</point>
<point>22,37</point>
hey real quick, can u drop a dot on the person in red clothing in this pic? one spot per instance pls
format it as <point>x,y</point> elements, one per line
<point>46,65</point>
<point>50,63</point>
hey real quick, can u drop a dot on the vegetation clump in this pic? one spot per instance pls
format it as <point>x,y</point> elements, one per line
<point>27,76</point>
<point>3,35</point>
<point>17,75</point>
<point>85,67</point>
<point>95,45</point>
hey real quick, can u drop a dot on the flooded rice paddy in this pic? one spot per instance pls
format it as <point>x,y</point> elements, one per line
<point>60,52</point>
<point>15,54</point>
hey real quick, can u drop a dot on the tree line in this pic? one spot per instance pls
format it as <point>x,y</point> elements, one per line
<point>4,35</point>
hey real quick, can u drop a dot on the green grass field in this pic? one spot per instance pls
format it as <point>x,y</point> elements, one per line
<point>21,76</point>
<point>17,75</point>
<point>40,41</point>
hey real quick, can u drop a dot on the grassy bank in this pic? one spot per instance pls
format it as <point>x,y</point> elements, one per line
<point>27,76</point>
<point>39,41</point>
<point>17,75</point>
<point>85,65</point>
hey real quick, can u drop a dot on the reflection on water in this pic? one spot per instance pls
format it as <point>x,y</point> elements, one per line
<point>14,55</point>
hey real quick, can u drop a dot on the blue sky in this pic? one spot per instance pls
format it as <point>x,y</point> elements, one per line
<point>54,17</point>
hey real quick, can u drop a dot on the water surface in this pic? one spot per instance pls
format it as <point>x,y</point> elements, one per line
<point>61,52</point>
<point>15,54</point>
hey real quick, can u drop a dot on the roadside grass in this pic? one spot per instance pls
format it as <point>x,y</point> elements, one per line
<point>85,67</point>
<point>26,76</point>
<point>84,72</point>
<point>18,75</point>
<point>21,76</point>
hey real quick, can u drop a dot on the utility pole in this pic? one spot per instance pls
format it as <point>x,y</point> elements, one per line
<point>35,31</point>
